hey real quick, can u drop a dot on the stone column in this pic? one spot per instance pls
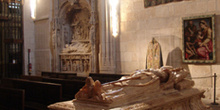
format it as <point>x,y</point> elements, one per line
<point>107,41</point>
<point>93,36</point>
<point>55,30</point>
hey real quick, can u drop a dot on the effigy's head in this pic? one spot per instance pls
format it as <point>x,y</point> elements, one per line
<point>89,81</point>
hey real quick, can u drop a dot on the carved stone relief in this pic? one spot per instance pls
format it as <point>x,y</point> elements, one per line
<point>75,26</point>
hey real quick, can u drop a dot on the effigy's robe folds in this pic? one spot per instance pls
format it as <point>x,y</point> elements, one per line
<point>166,88</point>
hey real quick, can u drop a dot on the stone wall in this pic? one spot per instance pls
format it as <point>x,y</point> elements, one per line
<point>164,23</point>
<point>37,36</point>
<point>29,42</point>
<point>42,36</point>
<point>42,46</point>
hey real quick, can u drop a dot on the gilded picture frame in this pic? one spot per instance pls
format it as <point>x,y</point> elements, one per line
<point>149,3</point>
<point>198,39</point>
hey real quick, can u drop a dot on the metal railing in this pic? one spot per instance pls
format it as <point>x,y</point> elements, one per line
<point>214,76</point>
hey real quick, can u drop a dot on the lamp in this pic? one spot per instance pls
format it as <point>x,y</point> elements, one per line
<point>114,17</point>
<point>33,8</point>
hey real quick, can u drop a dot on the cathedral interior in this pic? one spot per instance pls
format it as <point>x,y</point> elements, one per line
<point>50,48</point>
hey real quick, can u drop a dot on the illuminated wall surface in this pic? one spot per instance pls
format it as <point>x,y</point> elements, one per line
<point>114,15</point>
<point>33,8</point>
<point>164,23</point>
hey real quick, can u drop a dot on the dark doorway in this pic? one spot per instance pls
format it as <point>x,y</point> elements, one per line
<point>11,38</point>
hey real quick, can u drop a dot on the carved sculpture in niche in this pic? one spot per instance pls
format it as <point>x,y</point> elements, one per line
<point>81,66</point>
<point>78,18</point>
<point>92,34</point>
<point>75,26</point>
<point>86,65</point>
<point>77,66</point>
<point>74,66</point>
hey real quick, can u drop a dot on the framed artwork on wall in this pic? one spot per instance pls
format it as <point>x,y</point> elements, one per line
<point>149,3</point>
<point>198,39</point>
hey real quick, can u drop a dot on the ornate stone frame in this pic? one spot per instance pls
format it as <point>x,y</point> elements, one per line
<point>59,27</point>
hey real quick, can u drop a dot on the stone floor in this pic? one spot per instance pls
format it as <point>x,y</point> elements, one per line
<point>209,102</point>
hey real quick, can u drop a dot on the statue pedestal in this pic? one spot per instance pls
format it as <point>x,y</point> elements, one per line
<point>189,99</point>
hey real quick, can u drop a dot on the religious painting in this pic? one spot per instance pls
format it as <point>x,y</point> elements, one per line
<point>149,3</point>
<point>198,39</point>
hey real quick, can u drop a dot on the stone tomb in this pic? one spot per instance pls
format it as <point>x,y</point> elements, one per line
<point>161,89</point>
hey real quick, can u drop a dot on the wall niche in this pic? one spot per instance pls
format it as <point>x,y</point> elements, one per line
<point>75,30</point>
